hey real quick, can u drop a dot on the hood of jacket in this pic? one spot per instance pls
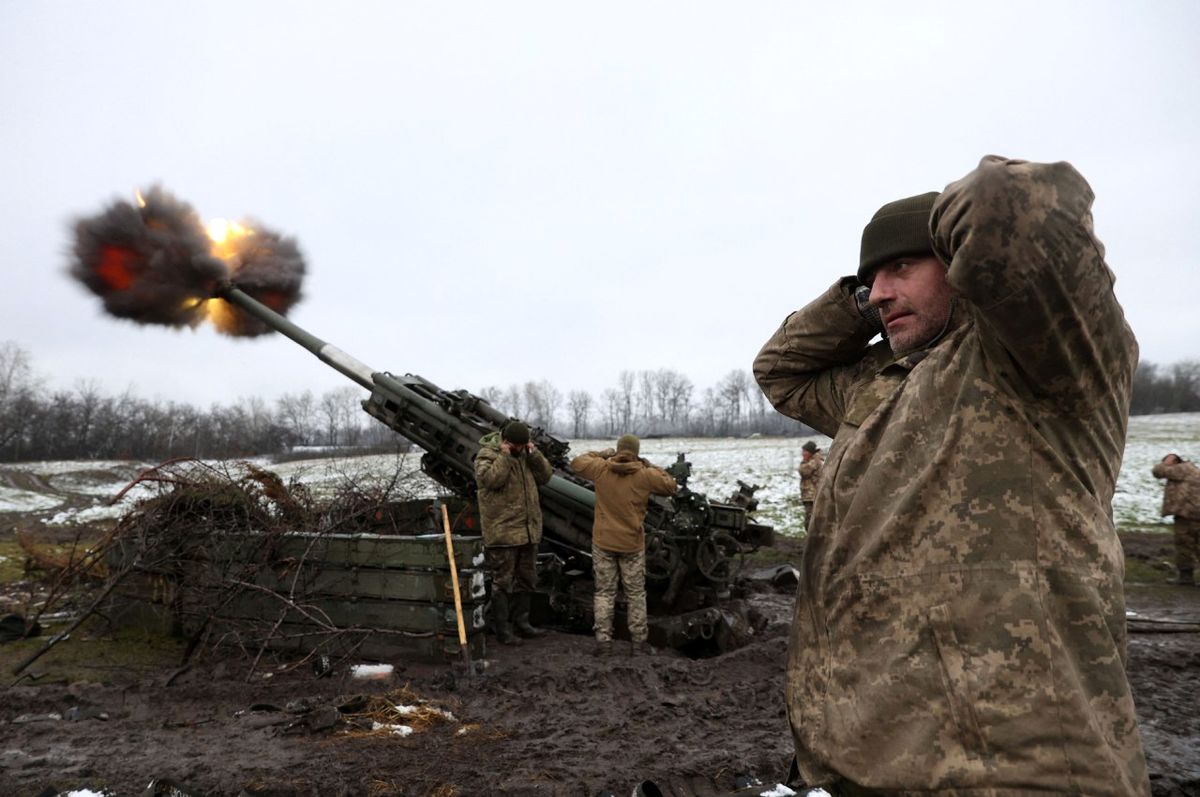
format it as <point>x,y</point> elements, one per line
<point>625,463</point>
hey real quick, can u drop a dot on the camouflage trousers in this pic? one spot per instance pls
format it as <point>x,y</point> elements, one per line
<point>1187,542</point>
<point>808,505</point>
<point>513,567</point>
<point>629,570</point>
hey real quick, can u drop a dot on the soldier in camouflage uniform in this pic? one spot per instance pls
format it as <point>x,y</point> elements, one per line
<point>624,483</point>
<point>810,470</point>
<point>508,470</point>
<point>1181,498</point>
<point>960,618</point>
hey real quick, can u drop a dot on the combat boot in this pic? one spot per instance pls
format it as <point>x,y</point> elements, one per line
<point>1186,577</point>
<point>523,628</point>
<point>500,623</point>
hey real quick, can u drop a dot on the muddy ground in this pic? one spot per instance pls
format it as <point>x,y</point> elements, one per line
<point>545,718</point>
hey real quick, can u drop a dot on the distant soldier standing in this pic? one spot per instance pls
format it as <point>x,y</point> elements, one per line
<point>624,483</point>
<point>1181,498</point>
<point>960,616</point>
<point>810,470</point>
<point>508,470</point>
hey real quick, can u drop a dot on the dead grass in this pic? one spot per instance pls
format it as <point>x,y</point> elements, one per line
<point>384,710</point>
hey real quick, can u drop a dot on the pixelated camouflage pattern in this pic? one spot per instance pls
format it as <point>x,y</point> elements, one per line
<point>960,619</point>
<point>510,509</point>
<point>1181,495</point>
<point>629,570</point>
<point>809,473</point>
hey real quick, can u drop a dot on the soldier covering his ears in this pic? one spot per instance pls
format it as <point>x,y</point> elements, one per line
<point>960,618</point>
<point>508,470</point>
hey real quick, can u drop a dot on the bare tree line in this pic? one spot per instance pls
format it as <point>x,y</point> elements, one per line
<point>81,423</point>
<point>661,402</point>
<point>37,422</point>
<point>1173,388</point>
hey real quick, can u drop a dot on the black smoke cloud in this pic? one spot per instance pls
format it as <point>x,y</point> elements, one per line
<point>155,264</point>
<point>149,264</point>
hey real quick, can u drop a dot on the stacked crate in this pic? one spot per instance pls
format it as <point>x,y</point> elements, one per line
<point>322,590</point>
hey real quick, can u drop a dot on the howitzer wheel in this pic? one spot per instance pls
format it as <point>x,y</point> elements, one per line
<point>715,557</point>
<point>662,557</point>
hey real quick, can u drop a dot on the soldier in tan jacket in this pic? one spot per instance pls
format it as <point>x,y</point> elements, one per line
<point>508,470</point>
<point>960,618</point>
<point>1181,498</point>
<point>624,483</point>
<point>810,470</point>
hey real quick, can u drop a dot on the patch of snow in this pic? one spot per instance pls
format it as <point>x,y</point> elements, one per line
<point>324,476</point>
<point>396,730</point>
<point>62,466</point>
<point>88,515</point>
<point>371,670</point>
<point>779,790</point>
<point>26,501</point>
<point>404,711</point>
<point>106,488</point>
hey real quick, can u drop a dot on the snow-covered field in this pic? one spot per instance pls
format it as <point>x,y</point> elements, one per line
<point>772,463</point>
<point>82,489</point>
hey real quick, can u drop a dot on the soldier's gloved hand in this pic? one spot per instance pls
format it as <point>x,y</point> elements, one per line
<point>862,300</point>
<point>608,452</point>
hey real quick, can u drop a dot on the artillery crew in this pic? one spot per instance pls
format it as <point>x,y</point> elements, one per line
<point>624,483</point>
<point>1181,498</point>
<point>960,618</point>
<point>810,470</point>
<point>508,470</point>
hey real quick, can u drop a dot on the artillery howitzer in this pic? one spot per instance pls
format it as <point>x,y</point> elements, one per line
<point>693,545</point>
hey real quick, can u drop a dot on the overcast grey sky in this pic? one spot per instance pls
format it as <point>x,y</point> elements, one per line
<point>498,192</point>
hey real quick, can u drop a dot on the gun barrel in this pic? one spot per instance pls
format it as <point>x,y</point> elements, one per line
<point>327,353</point>
<point>426,424</point>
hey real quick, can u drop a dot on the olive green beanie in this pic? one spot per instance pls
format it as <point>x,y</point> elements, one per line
<point>630,443</point>
<point>515,432</point>
<point>897,229</point>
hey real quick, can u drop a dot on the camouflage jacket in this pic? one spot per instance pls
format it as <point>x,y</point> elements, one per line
<point>960,618</point>
<point>509,507</point>
<point>809,473</point>
<point>624,483</point>
<point>1181,496</point>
